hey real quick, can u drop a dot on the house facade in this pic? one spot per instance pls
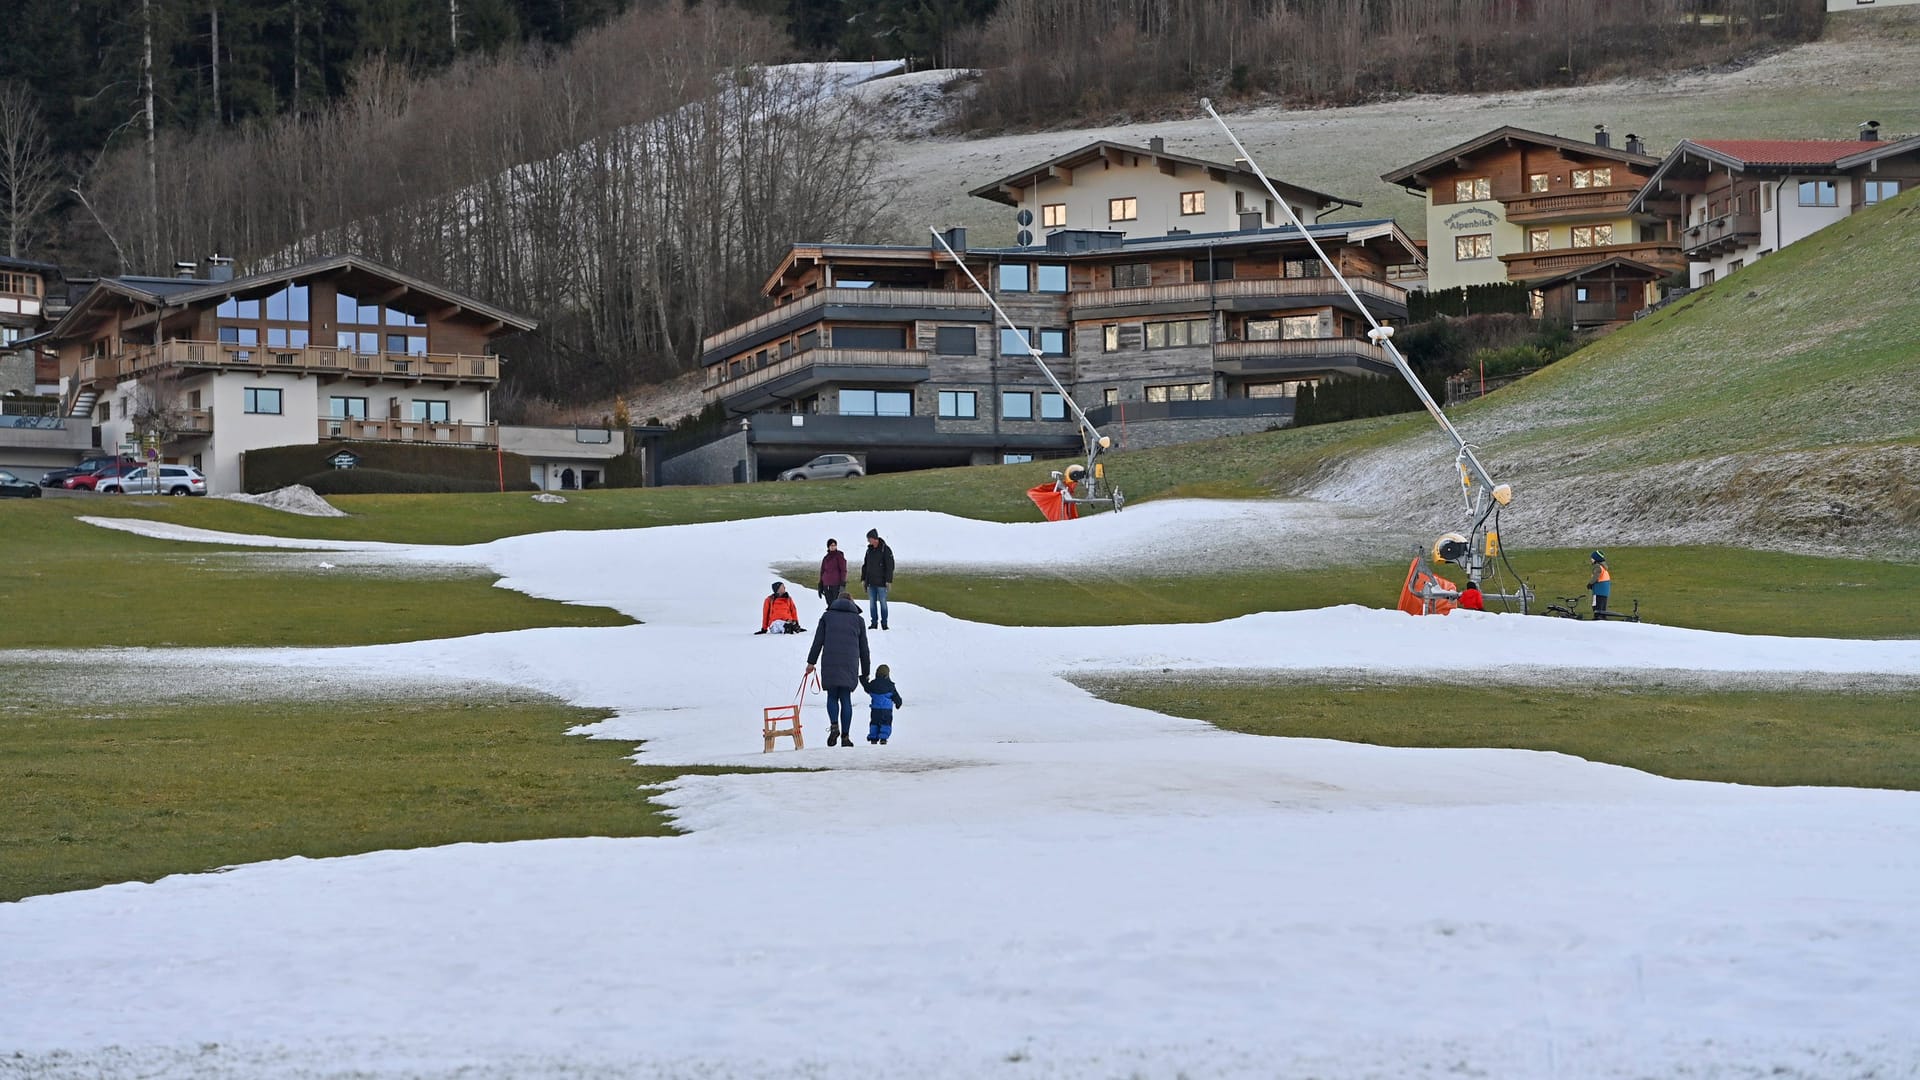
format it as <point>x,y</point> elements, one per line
<point>1146,191</point>
<point>1523,206</point>
<point>1743,199</point>
<point>1867,5</point>
<point>890,352</point>
<point>203,369</point>
<point>30,300</point>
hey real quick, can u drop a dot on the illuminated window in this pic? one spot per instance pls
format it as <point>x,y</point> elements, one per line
<point>1053,215</point>
<point>1193,202</point>
<point>1537,182</point>
<point>1127,209</point>
<point>1477,246</point>
<point>1472,190</point>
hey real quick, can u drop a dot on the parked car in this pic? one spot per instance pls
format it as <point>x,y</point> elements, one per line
<point>58,477</point>
<point>12,487</point>
<point>173,480</point>
<point>826,467</point>
<point>90,481</point>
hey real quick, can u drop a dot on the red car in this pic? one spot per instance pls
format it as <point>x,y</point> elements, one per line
<point>87,481</point>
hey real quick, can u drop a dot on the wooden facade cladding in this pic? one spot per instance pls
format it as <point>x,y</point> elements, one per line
<point>1508,168</point>
<point>322,362</point>
<point>1526,265</point>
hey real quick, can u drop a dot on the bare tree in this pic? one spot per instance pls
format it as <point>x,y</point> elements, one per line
<point>157,406</point>
<point>29,173</point>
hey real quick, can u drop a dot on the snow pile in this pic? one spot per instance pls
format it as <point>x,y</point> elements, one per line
<point>294,499</point>
<point>1029,882</point>
<point>549,497</point>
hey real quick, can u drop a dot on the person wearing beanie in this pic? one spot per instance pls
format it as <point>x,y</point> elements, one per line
<point>876,573</point>
<point>885,697</point>
<point>1471,598</point>
<point>1600,584</point>
<point>777,613</point>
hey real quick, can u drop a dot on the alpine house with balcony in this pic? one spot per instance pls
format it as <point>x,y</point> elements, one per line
<point>1741,199</point>
<point>889,351</point>
<point>337,348</point>
<point>1557,214</point>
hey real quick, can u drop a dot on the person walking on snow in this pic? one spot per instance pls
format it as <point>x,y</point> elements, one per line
<point>886,698</point>
<point>840,650</point>
<point>833,573</point>
<point>777,613</point>
<point>876,573</point>
<point>1600,584</point>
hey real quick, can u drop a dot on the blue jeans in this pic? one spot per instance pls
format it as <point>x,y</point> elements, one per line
<point>840,709</point>
<point>877,605</point>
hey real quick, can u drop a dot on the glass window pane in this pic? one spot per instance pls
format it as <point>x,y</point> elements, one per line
<point>416,346</point>
<point>1156,335</point>
<point>297,303</point>
<point>277,306</point>
<point>893,403</point>
<point>343,339</point>
<point>856,403</point>
<point>228,309</point>
<point>1052,406</point>
<point>249,335</point>
<point>1053,342</point>
<point>345,308</point>
<point>1110,338</point>
<point>1052,278</point>
<point>1016,405</point>
<point>276,336</point>
<point>368,343</point>
<point>248,309</point>
<point>397,343</point>
<point>1013,277</point>
<point>230,334</point>
<point>367,314</point>
<point>297,338</point>
<point>1013,342</point>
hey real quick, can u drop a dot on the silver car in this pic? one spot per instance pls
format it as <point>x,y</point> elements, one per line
<point>827,467</point>
<point>173,480</point>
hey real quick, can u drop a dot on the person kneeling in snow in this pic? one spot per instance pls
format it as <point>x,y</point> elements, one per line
<point>886,698</point>
<point>777,614</point>
<point>1471,598</point>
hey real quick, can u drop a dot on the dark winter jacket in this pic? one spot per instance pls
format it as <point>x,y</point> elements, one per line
<point>833,569</point>
<point>886,696</point>
<point>840,646</point>
<point>877,570</point>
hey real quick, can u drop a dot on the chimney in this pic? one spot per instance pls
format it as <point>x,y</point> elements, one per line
<point>1870,131</point>
<point>184,269</point>
<point>1157,144</point>
<point>219,268</point>
<point>956,239</point>
<point>1634,145</point>
<point>1600,136</point>
<point>1249,221</point>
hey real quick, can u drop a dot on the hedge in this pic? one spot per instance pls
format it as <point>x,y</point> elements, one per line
<point>407,467</point>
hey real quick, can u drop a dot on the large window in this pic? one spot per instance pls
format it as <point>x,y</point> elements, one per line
<point>1015,277</point>
<point>954,341</point>
<point>431,412</point>
<point>238,309</point>
<point>347,408</point>
<point>959,404</point>
<point>1213,269</point>
<point>1472,190</point>
<point>1016,405</point>
<point>1052,406</point>
<point>291,337</point>
<point>262,400</point>
<point>1132,275</point>
<point>1179,334</point>
<point>1050,278</point>
<point>1286,328</point>
<point>1592,178</point>
<point>1539,239</point>
<point>1819,193</point>
<point>870,337</point>
<point>240,335</point>
<point>1053,215</point>
<point>1126,209</point>
<point>20,284</point>
<point>1537,182</point>
<point>1013,343</point>
<point>1181,392</point>
<point>1303,268</point>
<point>876,403</point>
<point>1585,236</point>
<point>288,305</point>
<point>1880,190</point>
<point>1193,202</point>
<point>1477,246</point>
<point>361,323</point>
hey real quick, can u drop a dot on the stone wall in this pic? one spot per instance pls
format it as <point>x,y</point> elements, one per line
<point>1145,434</point>
<point>713,463</point>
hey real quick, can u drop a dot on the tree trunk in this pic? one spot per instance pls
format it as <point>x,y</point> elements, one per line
<point>153,162</point>
<point>213,12</point>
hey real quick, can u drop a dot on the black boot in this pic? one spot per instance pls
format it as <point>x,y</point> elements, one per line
<point>833,737</point>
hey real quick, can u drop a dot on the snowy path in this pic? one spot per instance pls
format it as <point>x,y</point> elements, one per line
<point>1029,881</point>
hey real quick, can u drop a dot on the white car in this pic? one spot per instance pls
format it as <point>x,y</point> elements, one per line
<point>173,480</point>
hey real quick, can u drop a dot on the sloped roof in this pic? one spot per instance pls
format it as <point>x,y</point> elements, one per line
<point>1095,151</point>
<point>1653,273</point>
<point>1782,151</point>
<point>1822,156</point>
<point>1408,176</point>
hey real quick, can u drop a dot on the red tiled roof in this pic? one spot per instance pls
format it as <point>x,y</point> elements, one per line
<point>1785,151</point>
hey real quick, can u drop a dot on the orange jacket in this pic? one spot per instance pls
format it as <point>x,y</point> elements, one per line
<point>777,609</point>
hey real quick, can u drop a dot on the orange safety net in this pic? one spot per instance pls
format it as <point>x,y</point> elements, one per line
<point>1418,579</point>
<point>1051,502</point>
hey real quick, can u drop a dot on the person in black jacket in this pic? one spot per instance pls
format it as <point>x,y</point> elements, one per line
<point>840,650</point>
<point>876,573</point>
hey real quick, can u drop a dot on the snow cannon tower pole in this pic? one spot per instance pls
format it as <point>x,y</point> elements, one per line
<point>1483,497</point>
<point>1095,442</point>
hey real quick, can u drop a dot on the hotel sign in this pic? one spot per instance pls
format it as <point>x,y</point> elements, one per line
<point>1471,219</point>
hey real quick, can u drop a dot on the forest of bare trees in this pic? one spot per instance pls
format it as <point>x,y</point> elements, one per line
<point>630,193</point>
<point>1046,60</point>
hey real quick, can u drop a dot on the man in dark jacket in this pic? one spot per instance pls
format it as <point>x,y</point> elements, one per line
<point>876,573</point>
<point>840,650</point>
<point>833,573</point>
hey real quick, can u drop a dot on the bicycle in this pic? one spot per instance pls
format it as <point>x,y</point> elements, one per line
<point>1569,608</point>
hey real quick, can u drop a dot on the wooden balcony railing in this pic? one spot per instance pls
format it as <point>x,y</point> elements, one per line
<point>1523,209</point>
<point>196,422</point>
<point>450,367</point>
<point>913,298</point>
<point>1300,347</point>
<point>719,384</point>
<point>1199,292</point>
<point>1727,231</point>
<point>444,432</point>
<point>1663,255</point>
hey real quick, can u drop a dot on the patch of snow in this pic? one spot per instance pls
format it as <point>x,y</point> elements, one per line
<point>1028,881</point>
<point>294,499</point>
<point>549,497</point>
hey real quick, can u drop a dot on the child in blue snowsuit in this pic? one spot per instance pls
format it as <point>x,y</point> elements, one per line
<point>886,698</point>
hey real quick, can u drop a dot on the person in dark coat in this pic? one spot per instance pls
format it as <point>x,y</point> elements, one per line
<point>840,651</point>
<point>876,573</point>
<point>885,698</point>
<point>833,573</point>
